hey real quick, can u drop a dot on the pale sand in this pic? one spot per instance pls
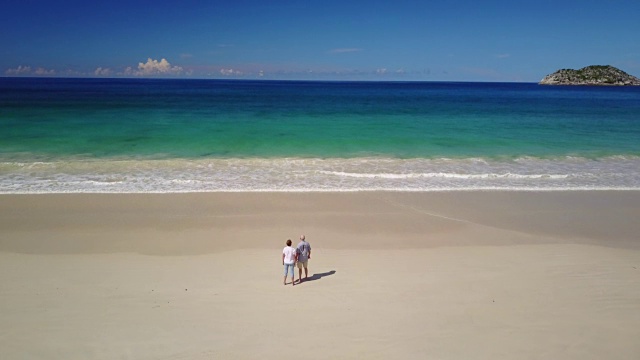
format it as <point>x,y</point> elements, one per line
<point>460,275</point>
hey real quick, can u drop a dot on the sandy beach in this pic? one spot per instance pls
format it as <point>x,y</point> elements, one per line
<point>452,275</point>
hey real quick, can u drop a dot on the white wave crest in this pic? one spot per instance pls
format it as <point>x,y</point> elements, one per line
<point>445,175</point>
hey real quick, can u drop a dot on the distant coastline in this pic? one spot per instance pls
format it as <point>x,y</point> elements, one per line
<point>594,75</point>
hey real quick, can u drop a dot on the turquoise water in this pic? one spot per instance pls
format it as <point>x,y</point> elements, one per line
<point>141,135</point>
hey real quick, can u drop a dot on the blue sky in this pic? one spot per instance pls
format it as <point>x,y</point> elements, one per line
<point>455,40</point>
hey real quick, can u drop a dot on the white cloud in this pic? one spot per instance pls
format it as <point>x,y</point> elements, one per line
<point>45,72</point>
<point>20,70</point>
<point>344,50</point>
<point>230,72</point>
<point>503,56</point>
<point>381,71</point>
<point>186,56</point>
<point>102,71</point>
<point>154,67</point>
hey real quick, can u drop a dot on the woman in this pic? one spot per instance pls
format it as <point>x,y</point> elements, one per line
<point>289,257</point>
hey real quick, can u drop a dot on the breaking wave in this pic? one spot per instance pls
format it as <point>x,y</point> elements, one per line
<point>316,175</point>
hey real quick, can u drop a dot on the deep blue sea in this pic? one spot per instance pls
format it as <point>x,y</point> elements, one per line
<point>149,135</point>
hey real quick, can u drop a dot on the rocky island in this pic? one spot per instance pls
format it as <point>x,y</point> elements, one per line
<point>591,75</point>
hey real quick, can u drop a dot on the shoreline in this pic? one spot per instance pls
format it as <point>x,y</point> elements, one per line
<point>322,175</point>
<point>333,191</point>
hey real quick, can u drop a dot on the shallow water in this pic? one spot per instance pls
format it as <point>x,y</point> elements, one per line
<point>142,135</point>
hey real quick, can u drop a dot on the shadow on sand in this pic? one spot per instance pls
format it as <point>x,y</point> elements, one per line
<point>319,276</point>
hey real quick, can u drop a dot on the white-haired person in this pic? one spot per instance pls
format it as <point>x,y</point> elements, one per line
<point>304,254</point>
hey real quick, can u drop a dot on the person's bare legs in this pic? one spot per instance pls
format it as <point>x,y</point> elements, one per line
<point>306,273</point>
<point>293,274</point>
<point>299,274</point>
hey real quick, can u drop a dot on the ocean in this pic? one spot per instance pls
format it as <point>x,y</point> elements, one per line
<point>175,135</point>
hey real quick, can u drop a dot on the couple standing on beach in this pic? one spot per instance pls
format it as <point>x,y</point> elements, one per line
<point>300,255</point>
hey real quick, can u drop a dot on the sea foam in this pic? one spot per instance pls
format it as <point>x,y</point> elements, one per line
<point>314,174</point>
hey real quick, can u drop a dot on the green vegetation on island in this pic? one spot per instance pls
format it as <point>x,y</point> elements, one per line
<point>591,75</point>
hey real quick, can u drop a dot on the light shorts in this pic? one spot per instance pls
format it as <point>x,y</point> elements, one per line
<point>302,264</point>
<point>288,268</point>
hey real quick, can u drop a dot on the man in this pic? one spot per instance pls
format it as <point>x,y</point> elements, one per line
<point>304,254</point>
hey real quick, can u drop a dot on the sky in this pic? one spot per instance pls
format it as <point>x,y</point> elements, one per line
<point>401,40</point>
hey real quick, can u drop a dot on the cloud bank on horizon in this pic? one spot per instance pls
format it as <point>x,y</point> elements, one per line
<point>150,68</point>
<point>163,68</point>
